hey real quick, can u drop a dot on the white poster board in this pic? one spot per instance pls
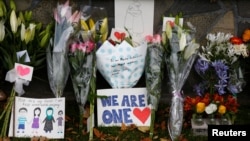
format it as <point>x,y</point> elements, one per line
<point>123,106</point>
<point>38,117</point>
<point>136,15</point>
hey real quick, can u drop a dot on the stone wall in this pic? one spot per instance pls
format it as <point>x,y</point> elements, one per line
<point>231,16</point>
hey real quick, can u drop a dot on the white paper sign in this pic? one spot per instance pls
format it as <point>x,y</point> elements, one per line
<point>122,65</point>
<point>170,19</point>
<point>38,117</point>
<point>24,72</point>
<point>127,106</point>
<point>137,16</point>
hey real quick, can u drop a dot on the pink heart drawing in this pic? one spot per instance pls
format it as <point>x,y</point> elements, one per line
<point>142,115</point>
<point>23,71</point>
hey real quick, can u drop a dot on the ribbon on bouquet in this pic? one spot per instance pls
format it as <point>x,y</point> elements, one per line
<point>12,76</point>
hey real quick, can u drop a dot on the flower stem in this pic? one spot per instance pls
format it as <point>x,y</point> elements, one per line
<point>7,112</point>
<point>90,122</point>
<point>151,132</point>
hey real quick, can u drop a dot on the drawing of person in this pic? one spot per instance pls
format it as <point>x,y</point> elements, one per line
<point>133,18</point>
<point>49,119</point>
<point>22,119</point>
<point>60,123</point>
<point>36,119</point>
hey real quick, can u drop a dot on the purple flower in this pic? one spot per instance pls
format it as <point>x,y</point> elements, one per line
<point>201,66</point>
<point>219,66</point>
<point>199,89</point>
<point>221,87</point>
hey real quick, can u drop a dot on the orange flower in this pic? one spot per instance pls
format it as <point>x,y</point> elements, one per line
<point>200,107</point>
<point>218,98</point>
<point>222,109</point>
<point>246,35</point>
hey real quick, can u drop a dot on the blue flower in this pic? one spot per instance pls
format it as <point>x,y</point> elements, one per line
<point>201,66</point>
<point>221,87</point>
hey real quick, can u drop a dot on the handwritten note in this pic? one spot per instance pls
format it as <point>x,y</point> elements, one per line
<point>38,117</point>
<point>121,65</point>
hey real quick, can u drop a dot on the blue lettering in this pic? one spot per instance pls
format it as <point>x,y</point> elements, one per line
<point>142,100</point>
<point>133,101</point>
<point>107,117</point>
<point>117,117</point>
<point>127,115</point>
<point>114,100</point>
<point>125,101</point>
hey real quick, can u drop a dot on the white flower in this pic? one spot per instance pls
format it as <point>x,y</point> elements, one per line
<point>13,21</point>
<point>211,108</point>
<point>183,41</point>
<point>191,49</point>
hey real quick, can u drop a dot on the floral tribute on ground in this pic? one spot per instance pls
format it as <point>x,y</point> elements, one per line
<point>221,78</point>
<point>181,52</point>
<point>22,41</point>
<point>82,44</point>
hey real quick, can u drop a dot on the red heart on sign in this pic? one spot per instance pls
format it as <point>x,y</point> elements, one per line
<point>142,115</point>
<point>23,71</point>
<point>120,36</point>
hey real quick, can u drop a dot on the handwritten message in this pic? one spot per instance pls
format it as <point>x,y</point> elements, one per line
<point>128,106</point>
<point>38,117</point>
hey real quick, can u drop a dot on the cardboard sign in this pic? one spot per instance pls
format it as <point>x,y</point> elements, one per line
<point>123,106</point>
<point>38,117</point>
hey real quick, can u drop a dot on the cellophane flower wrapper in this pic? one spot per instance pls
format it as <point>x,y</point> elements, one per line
<point>154,73</point>
<point>179,63</point>
<point>82,65</point>
<point>57,60</point>
<point>121,65</point>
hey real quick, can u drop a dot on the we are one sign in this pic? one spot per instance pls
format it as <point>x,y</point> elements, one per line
<point>123,106</point>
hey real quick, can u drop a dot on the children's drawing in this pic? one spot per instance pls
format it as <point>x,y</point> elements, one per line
<point>22,119</point>
<point>36,120</point>
<point>38,117</point>
<point>48,121</point>
<point>60,122</point>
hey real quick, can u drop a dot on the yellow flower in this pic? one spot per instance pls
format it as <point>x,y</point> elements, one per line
<point>200,107</point>
<point>222,109</point>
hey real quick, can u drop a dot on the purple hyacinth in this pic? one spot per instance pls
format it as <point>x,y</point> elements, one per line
<point>201,66</point>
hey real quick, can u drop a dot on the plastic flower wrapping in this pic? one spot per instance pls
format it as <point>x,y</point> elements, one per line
<point>57,60</point>
<point>88,34</point>
<point>219,106</point>
<point>154,63</point>
<point>120,60</point>
<point>219,64</point>
<point>181,52</point>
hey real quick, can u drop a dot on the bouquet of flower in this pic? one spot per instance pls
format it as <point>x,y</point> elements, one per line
<point>211,106</point>
<point>82,46</point>
<point>218,64</point>
<point>57,59</point>
<point>154,74</point>
<point>121,60</point>
<point>181,50</point>
<point>24,41</point>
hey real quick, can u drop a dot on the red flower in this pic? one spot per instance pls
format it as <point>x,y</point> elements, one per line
<point>236,40</point>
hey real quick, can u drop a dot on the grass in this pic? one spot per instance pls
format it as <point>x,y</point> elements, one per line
<point>132,133</point>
